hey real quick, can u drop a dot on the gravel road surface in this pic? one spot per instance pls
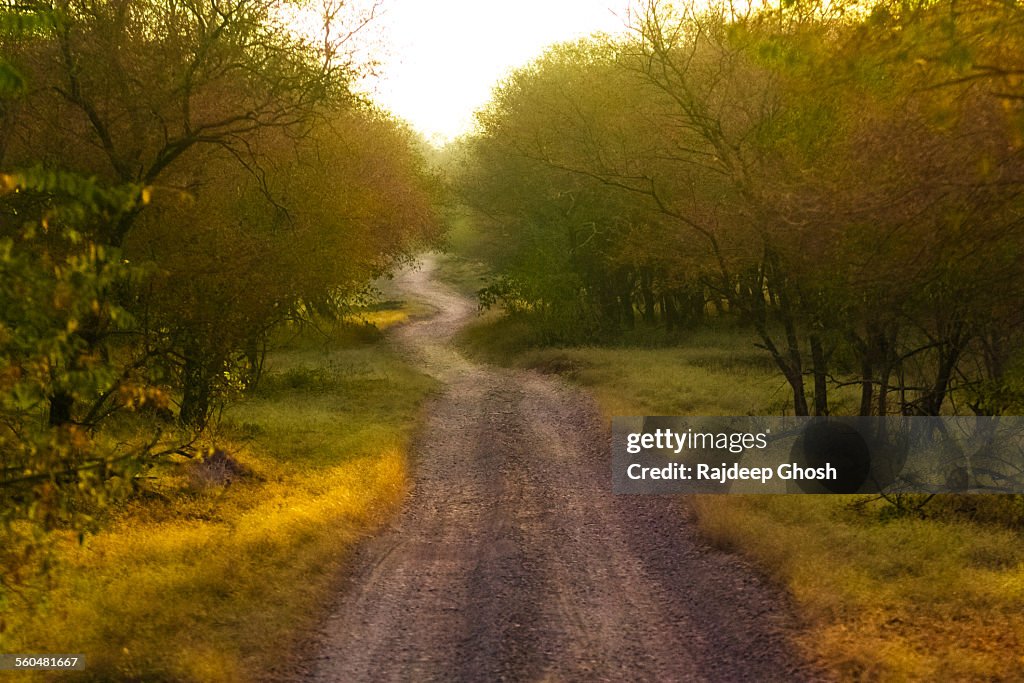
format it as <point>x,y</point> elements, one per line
<point>512,560</point>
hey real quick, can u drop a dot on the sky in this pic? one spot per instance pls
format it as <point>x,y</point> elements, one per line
<point>441,58</point>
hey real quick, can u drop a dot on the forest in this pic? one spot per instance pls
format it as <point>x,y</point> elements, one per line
<point>843,178</point>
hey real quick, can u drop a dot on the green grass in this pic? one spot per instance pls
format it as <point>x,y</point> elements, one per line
<point>210,580</point>
<point>669,381</point>
<point>885,597</point>
<point>708,372</point>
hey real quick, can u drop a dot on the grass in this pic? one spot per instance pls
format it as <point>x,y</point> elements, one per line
<point>885,597</point>
<point>463,264</point>
<point>709,372</point>
<point>897,599</point>
<point>214,578</point>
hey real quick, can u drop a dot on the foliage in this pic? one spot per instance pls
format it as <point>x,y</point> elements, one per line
<point>844,181</point>
<point>250,252</point>
<point>54,281</point>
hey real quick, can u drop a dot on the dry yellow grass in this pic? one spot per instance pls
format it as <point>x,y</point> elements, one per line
<point>210,600</point>
<point>903,599</point>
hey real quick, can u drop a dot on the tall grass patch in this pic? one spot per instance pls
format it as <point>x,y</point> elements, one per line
<point>903,598</point>
<point>716,371</point>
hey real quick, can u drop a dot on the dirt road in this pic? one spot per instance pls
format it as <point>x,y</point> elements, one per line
<point>512,559</point>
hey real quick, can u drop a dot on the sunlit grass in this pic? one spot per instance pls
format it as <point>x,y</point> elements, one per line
<point>708,381</point>
<point>214,583</point>
<point>901,599</point>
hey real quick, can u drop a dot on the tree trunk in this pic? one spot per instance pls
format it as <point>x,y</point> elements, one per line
<point>647,294</point>
<point>796,383</point>
<point>795,376</point>
<point>91,332</point>
<point>695,304</point>
<point>867,373</point>
<point>197,388</point>
<point>883,390</point>
<point>626,311</point>
<point>627,319</point>
<point>792,369</point>
<point>819,363</point>
<point>61,404</point>
<point>669,309</point>
<point>936,396</point>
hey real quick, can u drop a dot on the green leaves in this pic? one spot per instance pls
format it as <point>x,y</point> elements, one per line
<point>43,469</point>
<point>19,24</point>
<point>854,178</point>
<point>57,301</point>
<point>26,23</point>
<point>80,196</point>
<point>12,83</point>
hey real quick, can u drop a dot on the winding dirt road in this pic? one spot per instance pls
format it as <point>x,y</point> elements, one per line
<point>512,559</point>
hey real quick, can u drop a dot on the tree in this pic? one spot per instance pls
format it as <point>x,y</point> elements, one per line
<point>52,277</point>
<point>215,179</point>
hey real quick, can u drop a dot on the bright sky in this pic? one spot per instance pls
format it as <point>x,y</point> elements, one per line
<point>442,57</point>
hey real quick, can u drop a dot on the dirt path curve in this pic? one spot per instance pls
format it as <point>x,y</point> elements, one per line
<point>512,559</point>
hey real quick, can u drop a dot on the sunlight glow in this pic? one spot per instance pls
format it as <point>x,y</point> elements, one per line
<point>439,59</point>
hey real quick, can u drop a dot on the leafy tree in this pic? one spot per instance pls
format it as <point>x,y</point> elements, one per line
<point>217,108</point>
<point>53,277</point>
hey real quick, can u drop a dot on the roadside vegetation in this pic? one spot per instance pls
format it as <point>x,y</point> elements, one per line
<point>177,182</point>
<point>810,208</point>
<point>225,562</point>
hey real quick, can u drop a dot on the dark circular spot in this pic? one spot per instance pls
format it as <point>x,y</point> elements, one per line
<point>837,444</point>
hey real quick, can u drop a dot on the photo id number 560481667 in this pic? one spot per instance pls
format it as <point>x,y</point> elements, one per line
<point>41,662</point>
